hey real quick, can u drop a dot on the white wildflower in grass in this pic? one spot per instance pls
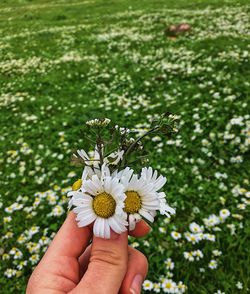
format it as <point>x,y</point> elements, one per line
<point>209,237</point>
<point>224,213</point>
<point>7,219</point>
<point>22,264</point>
<point>195,228</point>
<point>219,292</point>
<point>232,229</point>
<point>189,256</point>
<point>147,285</point>
<point>197,254</point>
<point>157,287</point>
<point>169,264</point>
<point>135,244</point>
<point>9,273</point>
<point>58,210</point>
<point>168,286</point>
<point>33,230</point>
<point>239,285</point>
<point>44,240</point>
<point>216,252</point>
<point>181,288</point>
<point>211,221</point>
<point>169,275</point>
<point>18,254</point>
<point>193,238</point>
<point>34,259</point>
<point>241,206</point>
<point>175,235</point>
<point>8,235</point>
<point>101,202</point>
<point>5,256</point>
<point>213,264</point>
<point>33,247</point>
<point>193,255</point>
<point>162,230</point>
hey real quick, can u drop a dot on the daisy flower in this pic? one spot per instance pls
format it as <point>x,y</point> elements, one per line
<point>147,285</point>
<point>169,286</point>
<point>141,198</point>
<point>195,228</point>
<point>175,235</point>
<point>213,264</point>
<point>224,213</point>
<point>101,201</point>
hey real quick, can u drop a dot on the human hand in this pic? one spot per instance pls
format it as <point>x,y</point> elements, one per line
<point>70,265</point>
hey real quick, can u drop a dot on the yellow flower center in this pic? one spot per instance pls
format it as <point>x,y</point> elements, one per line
<point>104,205</point>
<point>168,286</point>
<point>132,202</point>
<point>77,185</point>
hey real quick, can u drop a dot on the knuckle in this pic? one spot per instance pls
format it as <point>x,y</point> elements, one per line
<point>108,257</point>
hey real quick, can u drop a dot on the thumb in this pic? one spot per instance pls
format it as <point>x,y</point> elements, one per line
<point>107,265</point>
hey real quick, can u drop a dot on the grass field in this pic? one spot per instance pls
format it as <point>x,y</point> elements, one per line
<point>64,62</point>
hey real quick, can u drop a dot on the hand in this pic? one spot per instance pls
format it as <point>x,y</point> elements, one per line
<point>70,265</point>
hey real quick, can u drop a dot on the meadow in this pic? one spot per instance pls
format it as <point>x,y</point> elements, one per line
<point>64,62</point>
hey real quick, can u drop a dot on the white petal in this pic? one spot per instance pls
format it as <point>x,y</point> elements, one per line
<point>147,215</point>
<point>83,154</point>
<point>116,224</point>
<point>86,220</point>
<point>106,229</point>
<point>97,227</point>
<point>84,213</point>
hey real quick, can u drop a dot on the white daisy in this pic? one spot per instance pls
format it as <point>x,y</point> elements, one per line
<point>101,201</point>
<point>141,198</point>
<point>168,286</point>
<point>175,235</point>
<point>158,182</point>
<point>195,228</point>
<point>147,285</point>
<point>213,264</point>
<point>224,213</point>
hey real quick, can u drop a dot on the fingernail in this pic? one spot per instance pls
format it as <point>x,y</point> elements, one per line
<point>136,284</point>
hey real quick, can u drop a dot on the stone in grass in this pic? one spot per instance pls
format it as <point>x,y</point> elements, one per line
<point>177,29</point>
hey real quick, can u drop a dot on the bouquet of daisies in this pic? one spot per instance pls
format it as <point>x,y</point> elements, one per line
<point>111,194</point>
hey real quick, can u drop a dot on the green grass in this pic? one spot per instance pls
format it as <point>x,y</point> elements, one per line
<point>70,62</point>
